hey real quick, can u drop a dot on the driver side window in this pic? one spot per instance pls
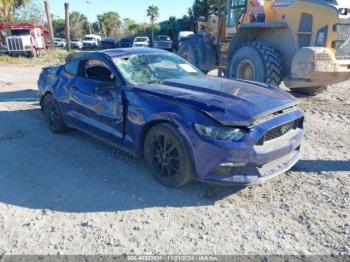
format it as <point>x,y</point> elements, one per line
<point>237,9</point>
<point>97,70</point>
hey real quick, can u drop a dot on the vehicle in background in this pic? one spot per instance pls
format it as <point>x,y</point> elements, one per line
<point>91,41</point>
<point>60,42</point>
<point>182,36</point>
<point>23,39</point>
<point>108,43</point>
<point>163,42</point>
<point>125,42</point>
<point>187,126</point>
<point>3,49</point>
<point>304,43</point>
<point>76,43</point>
<point>141,41</point>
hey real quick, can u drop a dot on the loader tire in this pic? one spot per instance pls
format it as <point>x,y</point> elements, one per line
<point>309,91</point>
<point>256,61</point>
<point>199,52</point>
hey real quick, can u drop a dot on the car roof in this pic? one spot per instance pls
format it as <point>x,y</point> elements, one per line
<point>113,53</point>
<point>119,52</point>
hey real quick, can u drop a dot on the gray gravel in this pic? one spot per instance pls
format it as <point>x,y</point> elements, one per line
<point>71,194</point>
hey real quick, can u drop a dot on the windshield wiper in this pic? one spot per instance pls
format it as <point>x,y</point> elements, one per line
<point>155,81</point>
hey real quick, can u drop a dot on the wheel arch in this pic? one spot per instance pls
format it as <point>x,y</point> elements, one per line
<point>147,127</point>
<point>176,125</point>
<point>281,39</point>
<point>47,92</point>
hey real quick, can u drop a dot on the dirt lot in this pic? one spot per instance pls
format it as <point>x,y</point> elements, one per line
<point>71,194</point>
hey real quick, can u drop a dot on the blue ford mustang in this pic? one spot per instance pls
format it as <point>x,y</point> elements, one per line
<point>186,125</point>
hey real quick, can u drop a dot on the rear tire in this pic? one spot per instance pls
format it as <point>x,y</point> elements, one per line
<point>256,62</point>
<point>167,156</point>
<point>53,114</point>
<point>309,91</point>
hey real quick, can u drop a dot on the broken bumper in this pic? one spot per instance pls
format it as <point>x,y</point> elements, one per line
<point>249,162</point>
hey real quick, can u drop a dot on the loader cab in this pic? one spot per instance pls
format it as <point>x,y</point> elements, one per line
<point>235,10</point>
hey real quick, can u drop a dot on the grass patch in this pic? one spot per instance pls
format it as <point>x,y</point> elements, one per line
<point>52,57</point>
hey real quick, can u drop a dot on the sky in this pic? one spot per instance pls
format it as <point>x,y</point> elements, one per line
<point>134,9</point>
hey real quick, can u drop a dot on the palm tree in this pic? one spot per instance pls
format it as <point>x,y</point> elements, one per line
<point>153,14</point>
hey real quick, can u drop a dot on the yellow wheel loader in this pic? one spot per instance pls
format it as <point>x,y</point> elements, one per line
<point>305,43</point>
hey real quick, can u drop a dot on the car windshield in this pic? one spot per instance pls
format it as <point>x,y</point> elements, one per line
<point>142,39</point>
<point>89,38</point>
<point>163,38</point>
<point>154,68</point>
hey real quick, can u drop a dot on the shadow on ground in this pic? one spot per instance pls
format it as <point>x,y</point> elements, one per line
<point>28,95</point>
<point>76,173</point>
<point>318,166</point>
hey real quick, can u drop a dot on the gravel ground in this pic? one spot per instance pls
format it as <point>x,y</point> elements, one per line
<point>71,194</point>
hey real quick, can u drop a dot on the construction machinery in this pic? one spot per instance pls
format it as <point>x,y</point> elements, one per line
<point>23,39</point>
<point>305,43</point>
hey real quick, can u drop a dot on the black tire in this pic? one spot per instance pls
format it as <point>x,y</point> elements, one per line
<point>53,114</point>
<point>167,156</point>
<point>309,91</point>
<point>199,53</point>
<point>264,62</point>
<point>32,53</point>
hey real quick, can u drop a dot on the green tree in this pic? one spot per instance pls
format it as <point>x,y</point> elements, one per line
<point>129,27</point>
<point>172,27</point>
<point>110,24</point>
<point>58,25</point>
<point>153,14</point>
<point>33,12</point>
<point>8,7</point>
<point>79,25</point>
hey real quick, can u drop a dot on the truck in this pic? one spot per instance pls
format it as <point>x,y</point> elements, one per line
<point>163,42</point>
<point>23,39</point>
<point>91,41</point>
<point>305,43</point>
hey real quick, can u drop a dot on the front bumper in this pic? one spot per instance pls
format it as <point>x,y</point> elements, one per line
<point>317,66</point>
<point>247,162</point>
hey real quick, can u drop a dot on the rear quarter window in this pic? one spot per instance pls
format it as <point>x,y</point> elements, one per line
<point>72,68</point>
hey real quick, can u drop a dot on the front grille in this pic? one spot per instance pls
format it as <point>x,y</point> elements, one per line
<point>280,131</point>
<point>342,44</point>
<point>15,44</point>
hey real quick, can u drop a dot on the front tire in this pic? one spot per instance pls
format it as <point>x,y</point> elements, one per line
<point>167,156</point>
<point>256,62</point>
<point>52,114</point>
<point>199,52</point>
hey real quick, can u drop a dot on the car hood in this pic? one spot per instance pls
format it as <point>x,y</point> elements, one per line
<point>230,102</point>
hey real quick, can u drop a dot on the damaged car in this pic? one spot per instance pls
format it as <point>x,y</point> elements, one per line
<point>186,125</point>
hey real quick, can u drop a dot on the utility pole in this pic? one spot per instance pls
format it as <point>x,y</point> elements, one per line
<point>66,10</point>
<point>49,22</point>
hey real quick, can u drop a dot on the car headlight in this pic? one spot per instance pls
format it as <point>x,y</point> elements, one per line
<point>343,11</point>
<point>220,133</point>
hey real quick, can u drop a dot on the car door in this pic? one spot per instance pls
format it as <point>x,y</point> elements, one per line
<point>95,99</point>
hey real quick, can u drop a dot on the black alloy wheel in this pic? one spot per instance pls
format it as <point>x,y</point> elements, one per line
<point>166,154</point>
